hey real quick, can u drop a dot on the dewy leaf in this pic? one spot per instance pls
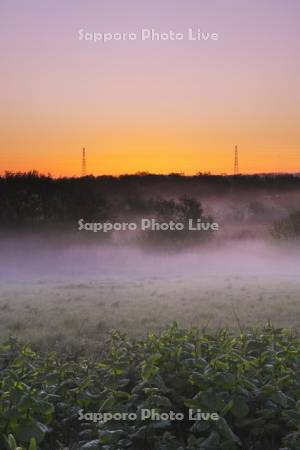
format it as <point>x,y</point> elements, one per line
<point>227,408</point>
<point>240,409</point>
<point>29,429</point>
<point>160,400</point>
<point>212,442</point>
<point>44,407</point>
<point>32,445</point>
<point>11,441</point>
<point>226,431</point>
<point>26,402</point>
<point>210,401</point>
<point>92,445</point>
<point>280,398</point>
<point>148,371</point>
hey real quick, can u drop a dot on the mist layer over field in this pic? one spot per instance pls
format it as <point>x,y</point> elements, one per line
<point>29,258</point>
<point>58,292</point>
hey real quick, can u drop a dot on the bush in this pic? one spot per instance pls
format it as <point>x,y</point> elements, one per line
<point>288,228</point>
<point>178,211</point>
<point>252,381</point>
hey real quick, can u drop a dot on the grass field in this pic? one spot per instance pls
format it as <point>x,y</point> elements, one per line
<point>78,313</point>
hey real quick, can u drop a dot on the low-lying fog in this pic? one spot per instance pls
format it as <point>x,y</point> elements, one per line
<point>34,258</point>
<point>55,294</point>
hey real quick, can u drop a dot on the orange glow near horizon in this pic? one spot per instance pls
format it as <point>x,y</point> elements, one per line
<point>157,107</point>
<point>162,152</point>
<point>151,161</point>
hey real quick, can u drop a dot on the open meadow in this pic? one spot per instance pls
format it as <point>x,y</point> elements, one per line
<point>76,296</point>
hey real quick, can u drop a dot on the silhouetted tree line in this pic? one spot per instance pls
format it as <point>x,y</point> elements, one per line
<point>32,198</point>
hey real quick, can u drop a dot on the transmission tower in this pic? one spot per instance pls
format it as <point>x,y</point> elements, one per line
<point>83,163</point>
<point>236,160</point>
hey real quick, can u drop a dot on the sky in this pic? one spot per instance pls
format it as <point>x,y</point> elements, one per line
<point>149,106</point>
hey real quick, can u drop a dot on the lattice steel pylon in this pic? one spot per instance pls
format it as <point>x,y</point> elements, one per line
<point>83,163</point>
<point>236,161</point>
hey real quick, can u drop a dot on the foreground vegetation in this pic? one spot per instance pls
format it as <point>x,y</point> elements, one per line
<point>251,380</point>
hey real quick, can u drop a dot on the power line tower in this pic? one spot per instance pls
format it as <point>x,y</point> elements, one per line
<point>83,163</point>
<point>236,161</point>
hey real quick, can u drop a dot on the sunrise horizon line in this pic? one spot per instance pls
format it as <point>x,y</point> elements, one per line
<point>141,173</point>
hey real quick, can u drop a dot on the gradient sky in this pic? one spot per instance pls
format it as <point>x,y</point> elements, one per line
<point>149,106</point>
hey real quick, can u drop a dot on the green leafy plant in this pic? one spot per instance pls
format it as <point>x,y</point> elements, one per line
<point>251,380</point>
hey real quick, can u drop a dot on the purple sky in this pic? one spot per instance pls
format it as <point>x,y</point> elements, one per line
<point>146,105</point>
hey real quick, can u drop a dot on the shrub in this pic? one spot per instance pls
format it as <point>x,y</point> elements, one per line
<point>252,381</point>
<point>288,228</point>
<point>178,211</point>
